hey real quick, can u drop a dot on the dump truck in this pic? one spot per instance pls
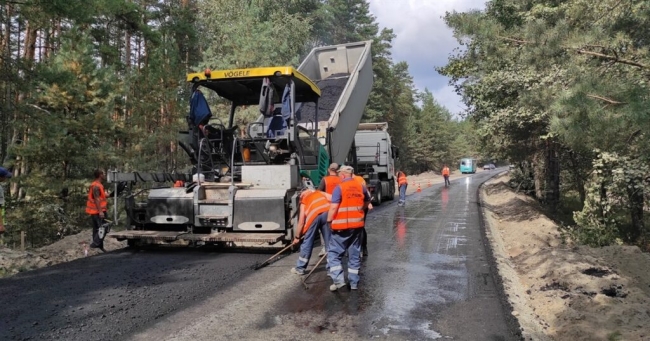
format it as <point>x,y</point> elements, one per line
<point>375,160</point>
<point>245,181</point>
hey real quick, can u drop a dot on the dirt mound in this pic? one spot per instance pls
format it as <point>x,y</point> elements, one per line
<point>64,250</point>
<point>559,291</point>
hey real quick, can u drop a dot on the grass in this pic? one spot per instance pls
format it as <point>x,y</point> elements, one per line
<point>614,336</point>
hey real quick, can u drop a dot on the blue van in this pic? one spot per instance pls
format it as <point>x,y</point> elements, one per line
<point>468,165</point>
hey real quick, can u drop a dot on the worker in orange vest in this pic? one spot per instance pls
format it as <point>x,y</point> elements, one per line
<point>402,183</point>
<point>331,180</point>
<point>345,216</point>
<point>96,207</point>
<point>445,174</point>
<point>327,185</point>
<point>314,205</point>
<point>364,234</point>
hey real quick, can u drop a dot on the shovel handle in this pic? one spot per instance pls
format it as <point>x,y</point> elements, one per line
<point>312,270</point>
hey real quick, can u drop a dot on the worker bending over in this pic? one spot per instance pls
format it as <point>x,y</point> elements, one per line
<point>312,218</point>
<point>345,216</point>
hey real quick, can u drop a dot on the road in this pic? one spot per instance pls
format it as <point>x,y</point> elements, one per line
<point>428,276</point>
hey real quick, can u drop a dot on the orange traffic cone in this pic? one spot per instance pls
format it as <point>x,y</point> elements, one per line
<point>419,189</point>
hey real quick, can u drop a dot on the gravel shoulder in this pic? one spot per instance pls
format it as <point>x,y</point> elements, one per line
<point>562,291</point>
<point>65,250</point>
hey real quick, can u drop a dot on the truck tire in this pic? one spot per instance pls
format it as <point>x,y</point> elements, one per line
<point>379,197</point>
<point>391,196</point>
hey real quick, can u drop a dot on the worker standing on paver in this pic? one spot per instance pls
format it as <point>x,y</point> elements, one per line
<point>4,175</point>
<point>445,174</point>
<point>96,207</point>
<point>345,217</point>
<point>402,183</point>
<point>314,205</point>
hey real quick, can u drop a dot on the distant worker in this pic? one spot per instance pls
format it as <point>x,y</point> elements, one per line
<point>364,233</point>
<point>345,217</point>
<point>96,207</point>
<point>4,175</point>
<point>402,183</point>
<point>314,205</point>
<point>445,174</point>
<point>331,180</point>
<point>179,183</point>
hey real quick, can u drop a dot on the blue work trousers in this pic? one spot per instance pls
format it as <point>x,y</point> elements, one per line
<point>402,193</point>
<point>341,241</point>
<point>319,224</point>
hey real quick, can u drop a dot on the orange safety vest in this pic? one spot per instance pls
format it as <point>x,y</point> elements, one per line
<point>445,171</point>
<point>315,203</point>
<point>91,208</point>
<point>401,179</point>
<point>360,180</point>
<point>331,181</point>
<point>350,213</point>
<point>179,183</point>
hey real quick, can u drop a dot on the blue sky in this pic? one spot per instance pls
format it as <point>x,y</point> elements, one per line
<point>423,40</point>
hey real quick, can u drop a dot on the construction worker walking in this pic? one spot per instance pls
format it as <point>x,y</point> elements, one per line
<point>96,207</point>
<point>445,174</point>
<point>402,183</point>
<point>345,216</point>
<point>314,206</point>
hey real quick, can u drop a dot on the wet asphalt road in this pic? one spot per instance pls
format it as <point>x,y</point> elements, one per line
<point>428,276</point>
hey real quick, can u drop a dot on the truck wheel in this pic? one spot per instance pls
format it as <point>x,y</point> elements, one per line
<point>379,195</point>
<point>391,196</point>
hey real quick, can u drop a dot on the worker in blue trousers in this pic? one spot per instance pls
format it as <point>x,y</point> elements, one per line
<point>346,219</point>
<point>314,206</point>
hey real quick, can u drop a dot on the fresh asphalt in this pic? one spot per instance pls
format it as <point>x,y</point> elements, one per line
<point>429,275</point>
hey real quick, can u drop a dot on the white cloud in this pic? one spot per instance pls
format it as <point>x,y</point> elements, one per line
<point>423,40</point>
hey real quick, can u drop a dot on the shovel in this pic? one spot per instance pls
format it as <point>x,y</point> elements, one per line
<point>304,284</point>
<point>268,261</point>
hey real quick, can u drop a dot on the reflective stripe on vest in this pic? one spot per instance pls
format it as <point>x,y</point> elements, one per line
<point>315,204</point>
<point>401,179</point>
<point>90,203</point>
<point>331,181</point>
<point>350,213</point>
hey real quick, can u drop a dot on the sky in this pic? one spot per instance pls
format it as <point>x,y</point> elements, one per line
<point>424,41</point>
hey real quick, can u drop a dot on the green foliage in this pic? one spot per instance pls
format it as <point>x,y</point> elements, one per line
<point>239,34</point>
<point>549,82</point>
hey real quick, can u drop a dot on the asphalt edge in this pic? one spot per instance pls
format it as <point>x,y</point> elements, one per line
<point>511,320</point>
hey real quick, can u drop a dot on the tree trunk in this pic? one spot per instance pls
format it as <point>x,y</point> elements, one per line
<point>636,198</point>
<point>552,185</point>
<point>539,175</point>
<point>577,177</point>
